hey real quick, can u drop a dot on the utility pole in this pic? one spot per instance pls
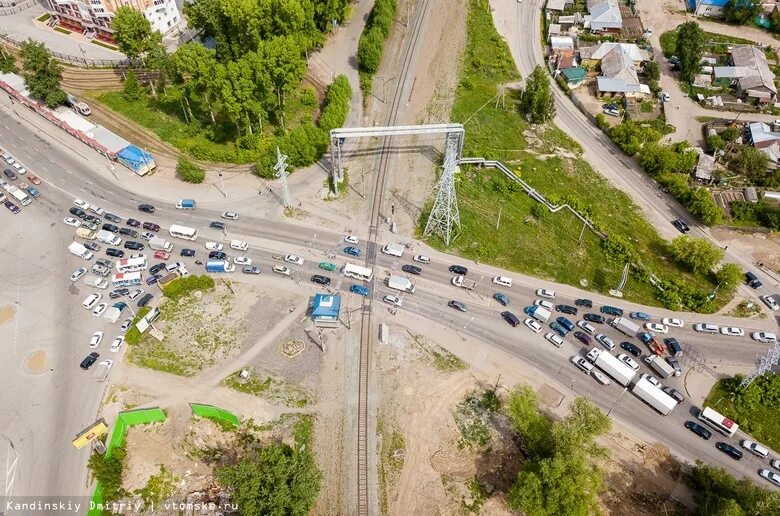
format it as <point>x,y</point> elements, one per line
<point>281,174</point>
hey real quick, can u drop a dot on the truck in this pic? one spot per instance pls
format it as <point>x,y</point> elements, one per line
<point>85,233</point>
<point>608,363</point>
<point>185,204</point>
<point>539,313</point>
<point>78,106</point>
<point>396,250</point>
<point>95,281</point>
<point>160,244</point>
<point>625,326</point>
<point>114,312</point>
<point>19,195</point>
<point>462,282</point>
<point>659,365</point>
<point>80,251</point>
<point>653,396</point>
<point>652,342</point>
<point>220,266</point>
<point>108,237</point>
<point>400,283</point>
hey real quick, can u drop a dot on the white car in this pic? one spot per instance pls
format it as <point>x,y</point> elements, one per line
<point>241,260</point>
<point>732,331</point>
<point>770,302</point>
<point>351,239</point>
<point>214,246</point>
<point>92,300</point>
<point>630,362</point>
<point>605,341</point>
<point>78,273</point>
<point>653,380</point>
<point>117,344</point>
<point>281,269</point>
<point>585,325</point>
<point>81,204</point>
<point>126,325</point>
<point>764,336</point>
<point>656,328</point>
<point>533,325</point>
<point>135,293</point>
<point>99,309</point>
<point>392,300</point>
<point>544,304</point>
<point>291,258</point>
<point>8,158</point>
<point>771,476</point>
<point>665,97</point>
<point>583,364</point>
<point>674,323</point>
<point>554,339</point>
<point>97,337</point>
<point>600,377</point>
<point>147,235</point>
<point>70,221</point>
<point>705,328</point>
<point>546,294</point>
<point>230,215</point>
<point>98,211</point>
<point>421,258</point>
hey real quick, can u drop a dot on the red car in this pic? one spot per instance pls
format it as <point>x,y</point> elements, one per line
<point>162,255</point>
<point>33,179</point>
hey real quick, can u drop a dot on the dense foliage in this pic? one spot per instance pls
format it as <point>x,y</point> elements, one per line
<point>697,254</point>
<point>108,471</point>
<point>689,48</point>
<point>189,171</point>
<point>720,494</point>
<point>7,63</point>
<point>730,277</point>
<point>741,11</point>
<point>537,101</point>
<point>42,74</point>
<point>631,136</point>
<point>372,40</point>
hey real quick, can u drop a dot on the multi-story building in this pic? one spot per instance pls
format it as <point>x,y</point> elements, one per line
<point>93,17</point>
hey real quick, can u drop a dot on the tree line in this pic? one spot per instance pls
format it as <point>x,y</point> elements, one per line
<point>372,41</point>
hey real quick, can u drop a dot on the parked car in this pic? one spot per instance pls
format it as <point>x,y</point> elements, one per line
<point>291,258</point>
<point>732,451</point>
<point>162,255</point>
<point>156,268</point>
<point>605,341</point>
<point>581,363</point>
<point>533,325</point>
<point>630,362</point>
<point>135,246</point>
<point>545,293</point>
<point>566,309</point>
<point>92,246</point>
<point>656,328</point>
<point>351,239</point>
<point>187,252</point>
<point>672,322</point>
<point>33,179</point>
<point>133,223</point>
<point>250,269</point>
<point>611,310</point>
<point>242,260</point>
<point>78,273</point>
<point>764,336</point>
<point>641,316</point>
<point>674,393</point>
<point>584,303</point>
<point>154,278</point>
<point>631,348</point>
<point>116,253</point>
<point>118,293</point>
<point>770,476</point>
<point>770,302</point>
<point>217,255</point>
<point>320,279</point>
<point>113,218</point>
<point>732,331</point>
<point>594,318</point>
<point>151,226</point>
<point>89,360</point>
<point>612,112</point>
<point>583,337</point>
<point>128,232</point>
<point>697,429</point>
<point>147,235</point>
<point>77,212</point>
<point>95,340</point>
<point>110,227</point>
<point>554,339</point>
<point>144,300</point>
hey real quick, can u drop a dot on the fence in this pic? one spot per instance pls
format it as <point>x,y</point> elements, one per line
<point>81,61</point>
<point>8,8</point>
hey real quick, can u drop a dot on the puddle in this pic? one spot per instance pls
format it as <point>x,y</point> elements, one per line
<point>7,313</point>
<point>37,363</point>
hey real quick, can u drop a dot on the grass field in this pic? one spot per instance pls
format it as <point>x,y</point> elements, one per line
<point>762,422</point>
<point>715,43</point>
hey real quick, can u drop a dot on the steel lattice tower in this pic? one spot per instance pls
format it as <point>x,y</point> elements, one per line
<point>445,214</point>
<point>281,174</point>
<point>765,364</point>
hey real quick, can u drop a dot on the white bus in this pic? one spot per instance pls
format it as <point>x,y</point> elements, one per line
<point>357,272</point>
<point>131,264</point>
<point>126,279</point>
<point>183,232</point>
<point>718,421</point>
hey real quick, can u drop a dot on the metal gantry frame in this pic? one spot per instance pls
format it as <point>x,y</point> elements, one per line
<point>765,364</point>
<point>445,214</point>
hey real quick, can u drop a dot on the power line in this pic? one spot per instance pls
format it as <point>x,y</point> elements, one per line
<point>445,214</point>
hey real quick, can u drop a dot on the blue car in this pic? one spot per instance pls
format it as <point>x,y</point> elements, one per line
<point>645,336</point>
<point>501,298</point>
<point>359,290</point>
<point>33,191</point>
<point>564,322</point>
<point>639,315</point>
<point>353,251</point>
<point>557,328</point>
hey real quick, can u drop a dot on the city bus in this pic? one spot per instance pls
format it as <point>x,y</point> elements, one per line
<point>126,279</point>
<point>131,264</point>
<point>718,421</point>
<point>357,272</point>
<point>183,232</point>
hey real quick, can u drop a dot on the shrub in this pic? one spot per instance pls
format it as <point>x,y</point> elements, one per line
<point>189,171</point>
<point>180,287</point>
<point>108,471</point>
<point>372,40</point>
<point>337,102</point>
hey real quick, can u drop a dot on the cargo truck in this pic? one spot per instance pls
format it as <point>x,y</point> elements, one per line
<point>652,342</point>
<point>95,281</point>
<point>462,282</point>
<point>220,266</point>
<point>186,204</point>
<point>85,233</point>
<point>80,251</point>
<point>396,250</point>
<point>102,370</point>
<point>659,365</point>
<point>160,244</point>
<point>654,396</point>
<point>539,313</point>
<point>19,195</point>
<point>113,313</point>
<point>608,363</point>
<point>625,326</point>
<point>400,283</point>
<point>108,237</point>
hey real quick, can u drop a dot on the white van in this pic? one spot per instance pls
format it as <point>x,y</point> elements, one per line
<point>755,448</point>
<point>238,244</point>
<point>705,328</point>
<point>503,281</point>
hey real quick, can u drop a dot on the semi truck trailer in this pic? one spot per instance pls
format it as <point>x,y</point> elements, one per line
<point>654,396</point>
<point>659,365</point>
<point>608,363</point>
<point>625,326</point>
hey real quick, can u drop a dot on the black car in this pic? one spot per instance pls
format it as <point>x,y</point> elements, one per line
<point>681,225</point>
<point>10,174</point>
<point>510,318</point>
<point>118,293</point>
<point>129,232</point>
<point>151,226</point>
<point>93,219</point>
<point>118,253</point>
<point>319,278</point>
<point>144,300</point>
<point>112,217</point>
<point>110,227</point>
<point>217,255</point>
<point>697,429</point>
<point>583,337</point>
<point>133,223</point>
<point>157,267</point>
<point>11,206</point>
<point>732,451</point>
<point>217,225</point>
<point>151,280</point>
<point>611,310</point>
<point>147,208</point>
<point>631,348</point>
<point>457,305</point>
<point>585,303</point>
<point>595,318</point>
<point>566,309</point>
<point>188,252</point>
<point>135,246</point>
<point>89,360</point>
<point>92,246</point>
<point>105,262</point>
<point>78,212</point>
<point>411,269</point>
<point>458,269</point>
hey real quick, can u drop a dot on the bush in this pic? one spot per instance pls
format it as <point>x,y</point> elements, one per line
<point>180,287</point>
<point>337,102</point>
<point>131,89</point>
<point>108,471</point>
<point>189,171</point>
<point>372,41</point>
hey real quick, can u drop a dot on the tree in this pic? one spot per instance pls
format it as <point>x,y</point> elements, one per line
<point>689,47</point>
<point>7,63</point>
<point>132,31</point>
<point>279,480</point>
<point>729,134</point>
<point>715,143</point>
<point>702,206</point>
<point>42,74</point>
<point>131,89</point>
<point>537,101</point>
<point>698,254</point>
<point>774,19</point>
<point>741,11</point>
<point>729,277</point>
<point>653,70</point>
<point>285,67</point>
<point>189,171</point>
<point>533,427</point>
<point>750,162</point>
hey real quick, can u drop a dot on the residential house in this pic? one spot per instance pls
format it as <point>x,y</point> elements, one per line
<point>558,5</point>
<point>704,167</point>
<point>604,16</point>
<point>574,76</point>
<point>558,43</point>
<point>761,136</point>
<point>93,18</point>
<point>749,73</point>
<point>619,63</point>
<point>711,8</point>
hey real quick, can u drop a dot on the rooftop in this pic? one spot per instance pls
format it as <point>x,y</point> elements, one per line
<point>597,52</point>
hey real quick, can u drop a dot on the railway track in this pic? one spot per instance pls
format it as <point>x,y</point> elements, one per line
<point>366,331</point>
